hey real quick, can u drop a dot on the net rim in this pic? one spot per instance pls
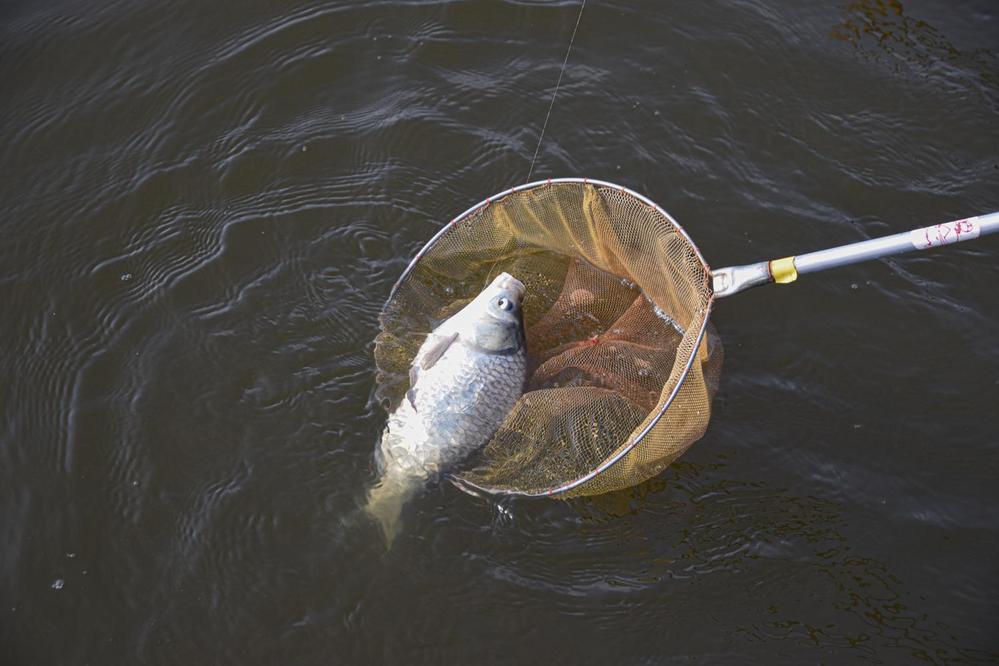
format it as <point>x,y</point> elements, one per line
<point>624,450</point>
<point>534,185</point>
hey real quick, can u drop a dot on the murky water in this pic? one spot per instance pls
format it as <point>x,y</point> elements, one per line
<point>204,206</point>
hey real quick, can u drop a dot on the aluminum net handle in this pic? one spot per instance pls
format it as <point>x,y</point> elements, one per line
<point>732,280</point>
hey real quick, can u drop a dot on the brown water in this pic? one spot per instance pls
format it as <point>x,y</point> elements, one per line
<point>205,204</point>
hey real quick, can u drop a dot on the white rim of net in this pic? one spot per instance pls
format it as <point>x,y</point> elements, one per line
<point>637,439</point>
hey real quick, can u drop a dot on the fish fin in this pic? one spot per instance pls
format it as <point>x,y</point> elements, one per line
<point>437,346</point>
<point>380,459</point>
<point>386,501</point>
<point>414,374</point>
<point>433,348</point>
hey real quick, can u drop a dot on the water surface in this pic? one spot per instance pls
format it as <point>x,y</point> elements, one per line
<point>204,206</point>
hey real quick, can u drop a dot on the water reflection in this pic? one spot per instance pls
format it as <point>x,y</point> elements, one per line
<point>882,30</point>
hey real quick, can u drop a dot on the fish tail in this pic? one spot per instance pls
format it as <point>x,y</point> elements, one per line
<point>385,502</point>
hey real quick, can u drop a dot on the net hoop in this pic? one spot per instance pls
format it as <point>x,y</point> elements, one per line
<point>637,439</point>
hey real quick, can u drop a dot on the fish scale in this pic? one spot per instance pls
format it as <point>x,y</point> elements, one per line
<point>465,379</point>
<point>422,439</point>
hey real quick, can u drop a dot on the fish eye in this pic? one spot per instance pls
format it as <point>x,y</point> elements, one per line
<point>504,304</point>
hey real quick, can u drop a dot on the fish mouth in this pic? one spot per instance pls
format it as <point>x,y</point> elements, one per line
<point>509,283</point>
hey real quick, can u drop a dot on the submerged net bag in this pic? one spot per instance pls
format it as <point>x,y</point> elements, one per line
<point>623,366</point>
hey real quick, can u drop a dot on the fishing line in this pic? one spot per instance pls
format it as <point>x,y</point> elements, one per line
<point>555,93</point>
<point>551,105</point>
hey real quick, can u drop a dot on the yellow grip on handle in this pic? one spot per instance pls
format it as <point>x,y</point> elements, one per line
<point>783,270</point>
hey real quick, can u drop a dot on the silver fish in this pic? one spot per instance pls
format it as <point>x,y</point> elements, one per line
<point>465,379</point>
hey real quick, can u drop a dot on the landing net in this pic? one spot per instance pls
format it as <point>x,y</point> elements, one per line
<point>623,365</point>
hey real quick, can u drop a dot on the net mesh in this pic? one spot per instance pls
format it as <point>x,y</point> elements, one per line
<point>616,318</point>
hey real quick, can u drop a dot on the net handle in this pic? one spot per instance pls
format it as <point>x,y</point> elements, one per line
<point>733,279</point>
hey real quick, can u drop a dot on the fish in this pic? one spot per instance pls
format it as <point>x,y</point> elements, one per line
<point>464,380</point>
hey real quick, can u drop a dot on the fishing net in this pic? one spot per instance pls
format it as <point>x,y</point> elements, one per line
<point>623,366</point>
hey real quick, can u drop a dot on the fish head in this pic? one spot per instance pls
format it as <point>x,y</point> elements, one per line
<point>494,320</point>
